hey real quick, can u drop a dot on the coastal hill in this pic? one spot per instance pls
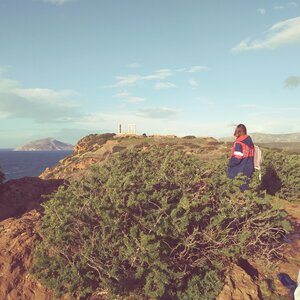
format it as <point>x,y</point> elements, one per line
<point>289,142</point>
<point>99,148</point>
<point>259,137</point>
<point>48,144</point>
<point>247,279</point>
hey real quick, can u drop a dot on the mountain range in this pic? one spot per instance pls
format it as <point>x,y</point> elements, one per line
<point>261,138</point>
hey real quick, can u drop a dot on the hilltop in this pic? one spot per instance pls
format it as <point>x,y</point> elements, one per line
<point>98,148</point>
<point>21,224</point>
<point>48,144</point>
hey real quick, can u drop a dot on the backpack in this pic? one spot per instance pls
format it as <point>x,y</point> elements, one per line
<point>258,159</point>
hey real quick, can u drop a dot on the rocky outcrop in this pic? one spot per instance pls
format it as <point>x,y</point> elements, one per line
<point>239,286</point>
<point>92,142</point>
<point>17,240</point>
<point>21,195</point>
<point>20,208</point>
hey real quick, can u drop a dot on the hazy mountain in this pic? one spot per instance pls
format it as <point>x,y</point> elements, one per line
<point>48,144</point>
<point>269,138</point>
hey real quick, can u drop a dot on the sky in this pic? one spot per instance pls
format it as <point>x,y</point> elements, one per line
<point>73,67</point>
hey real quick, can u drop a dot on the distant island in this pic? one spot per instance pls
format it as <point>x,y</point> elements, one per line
<point>48,144</point>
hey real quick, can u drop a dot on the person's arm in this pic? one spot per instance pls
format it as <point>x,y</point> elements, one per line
<point>237,155</point>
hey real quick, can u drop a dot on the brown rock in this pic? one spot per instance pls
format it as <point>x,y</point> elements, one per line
<point>21,195</point>
<point>239,286</point>
<point>17,239</point>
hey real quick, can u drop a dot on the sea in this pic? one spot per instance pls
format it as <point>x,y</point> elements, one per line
<point>18,164</point>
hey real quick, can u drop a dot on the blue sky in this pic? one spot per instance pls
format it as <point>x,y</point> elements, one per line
<point>69,68</point>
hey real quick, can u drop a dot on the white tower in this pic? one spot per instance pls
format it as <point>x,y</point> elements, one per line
<point>132,129</point>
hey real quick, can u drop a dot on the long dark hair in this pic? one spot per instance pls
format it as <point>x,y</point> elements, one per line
<point>240,130</point>
<point>242,127</point>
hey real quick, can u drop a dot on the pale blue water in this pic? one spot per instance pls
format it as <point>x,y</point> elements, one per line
<point>17,164</point>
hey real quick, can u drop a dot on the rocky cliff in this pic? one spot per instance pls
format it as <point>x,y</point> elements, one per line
<point>20,212</point>
<point>21,195</point>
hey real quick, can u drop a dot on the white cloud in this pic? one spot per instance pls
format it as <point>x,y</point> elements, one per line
<point>93,120</point>
<point>194,69</point>
<point>159,76</point>
<point>150,120</point>
<point>132,80</point>
<point>278,7</point>
<point>3,70</point>
<point>58,2</point>
<point>133,65</point>
<point>205,101</point>
<point>16,107</point>
<point>180,70</point>
<point>162,113</point>
<point>39,105</point>
<point>193,83</point>
<point>249,105</point>
<point>282,33</point>
<point>39,94</point>
<point>292,81</point>
<point>274,122</point>
<point>292,4</point>
<point>129,98</point>
<point>262,11</point>
<point>164,85</point>
<point>6,85</point>
<point>167,120</point>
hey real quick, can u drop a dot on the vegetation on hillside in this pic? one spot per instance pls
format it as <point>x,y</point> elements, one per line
<point>281,174</point>
<point>293,147</point>
<point>158,223</point>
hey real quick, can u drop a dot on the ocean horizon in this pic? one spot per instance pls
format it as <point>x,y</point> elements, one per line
<point>18,164</point>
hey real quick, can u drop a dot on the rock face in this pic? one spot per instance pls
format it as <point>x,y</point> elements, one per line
<point>21,195</point>
<point>239,286</point>
<point>48,144</point>
<point>20,198</point>
<point>17,239</point>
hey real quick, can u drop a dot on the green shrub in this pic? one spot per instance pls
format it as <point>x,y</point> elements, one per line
<point>281,174</point>
<point>118,148</point>
<point>158,222</point>
<point>188,137</point>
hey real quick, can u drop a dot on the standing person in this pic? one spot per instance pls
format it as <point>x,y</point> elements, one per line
<point>242,155</point>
